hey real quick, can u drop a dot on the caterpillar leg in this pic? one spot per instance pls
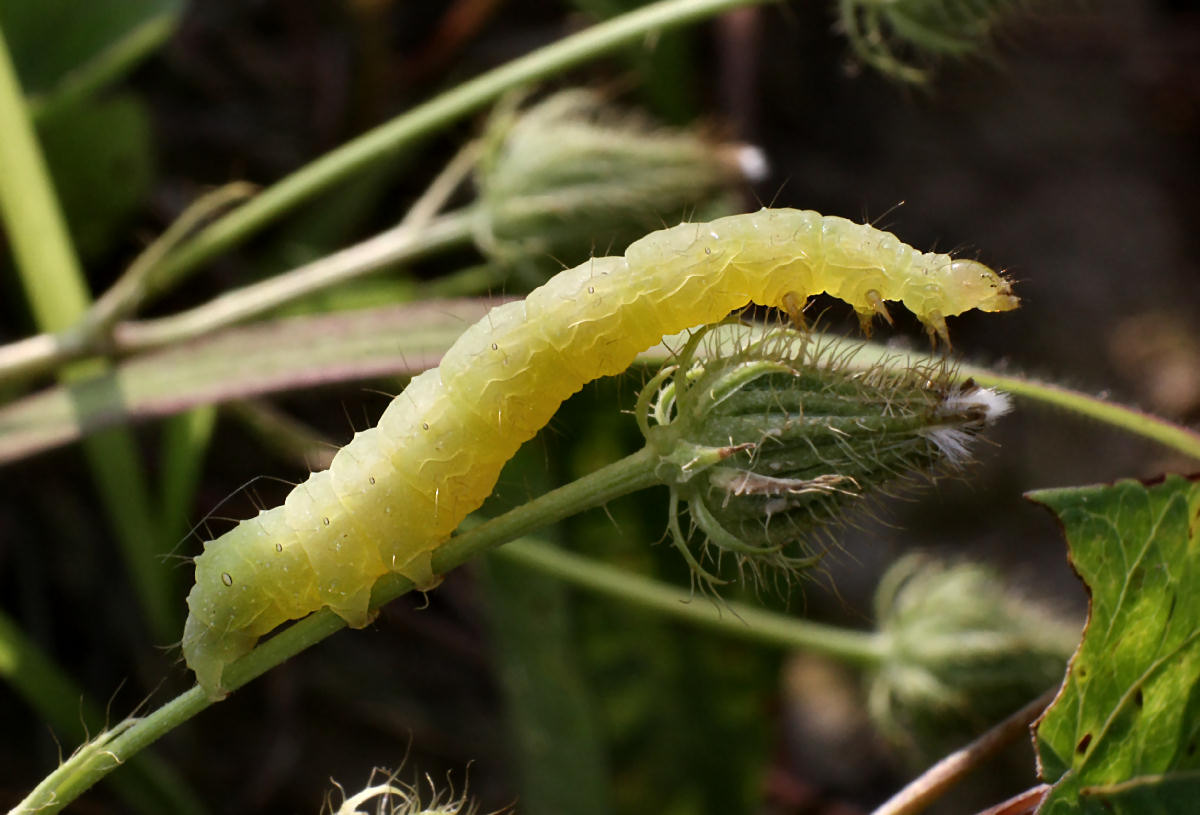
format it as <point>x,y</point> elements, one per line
<point>935,326</point>
<point>794,304</point>
<point>209,650</point>
<point>877,308</point>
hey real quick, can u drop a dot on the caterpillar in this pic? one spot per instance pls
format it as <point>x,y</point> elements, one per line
<point>398,490</point>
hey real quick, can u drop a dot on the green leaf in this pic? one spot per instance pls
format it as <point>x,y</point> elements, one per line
<point>1123,735</point>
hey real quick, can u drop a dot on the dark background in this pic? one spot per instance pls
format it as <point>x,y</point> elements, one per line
<point>1068,153</point>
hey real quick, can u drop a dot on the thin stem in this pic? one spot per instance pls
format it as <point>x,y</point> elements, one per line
<point>151,786</point>
<point>1132,420</point>
<point>933,783</point>
<point>630,474</point>
<point>126,294</point>
<point>431,116</point>
<point>863,648</point>
<point>419,233</point>
<point>88,766</point>
<point>405,242</point>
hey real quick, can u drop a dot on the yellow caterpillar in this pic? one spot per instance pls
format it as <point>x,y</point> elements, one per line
<point>398,490</point>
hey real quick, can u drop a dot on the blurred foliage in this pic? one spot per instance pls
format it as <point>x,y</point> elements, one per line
<point>101,158</point>
<point>99,149</point>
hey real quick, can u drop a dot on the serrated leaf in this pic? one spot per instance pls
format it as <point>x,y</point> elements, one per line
<point>1123,736</point>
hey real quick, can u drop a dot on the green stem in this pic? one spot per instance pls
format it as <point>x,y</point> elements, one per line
<point>54,284</point>
<point>429,117</point>
<point>863,648</point>
<point>150,785</point>
<point>1130,419</point>
<point>80,772</point>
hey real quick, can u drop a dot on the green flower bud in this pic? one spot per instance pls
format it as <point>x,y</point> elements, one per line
<point>770,444</point>
<point>965,652</point>
<point>555,175</point>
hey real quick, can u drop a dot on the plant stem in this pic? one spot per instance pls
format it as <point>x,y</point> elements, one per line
<point>426,118</point>
<point>150,786</point>
<point>1130,419</point>
<point>401,243</point>
<point>120,56</point>
<point>862,648</point>
<point>80,772</point>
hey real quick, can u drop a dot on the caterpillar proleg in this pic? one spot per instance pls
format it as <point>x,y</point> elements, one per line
<point>397,491</point>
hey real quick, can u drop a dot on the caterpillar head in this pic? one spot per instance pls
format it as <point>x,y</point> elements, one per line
<point>970,284</point>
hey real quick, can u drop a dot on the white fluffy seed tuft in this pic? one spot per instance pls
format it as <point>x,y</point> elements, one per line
<point>986,403</point>
<point>990,402</point>
<point>753,162</point>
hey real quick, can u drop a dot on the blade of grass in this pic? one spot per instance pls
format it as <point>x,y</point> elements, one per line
<point>271,357</point>
<point>54,283</point>
<point>240,363</point>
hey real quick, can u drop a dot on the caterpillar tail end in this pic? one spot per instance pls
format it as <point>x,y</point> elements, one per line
<point>208,651</point>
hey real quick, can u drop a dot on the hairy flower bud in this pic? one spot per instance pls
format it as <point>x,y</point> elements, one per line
<point>964,652</point>
<point>770,443</point>
<point>557,174</point>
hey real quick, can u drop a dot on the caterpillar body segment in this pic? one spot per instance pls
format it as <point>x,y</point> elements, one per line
<point>397,491</point>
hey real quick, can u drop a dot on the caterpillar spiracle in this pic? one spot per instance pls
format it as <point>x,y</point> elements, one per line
<point>398,490</point>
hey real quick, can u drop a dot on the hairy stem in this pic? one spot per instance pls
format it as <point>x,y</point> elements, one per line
<point>1126,418</point>
<point>89,765</point>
